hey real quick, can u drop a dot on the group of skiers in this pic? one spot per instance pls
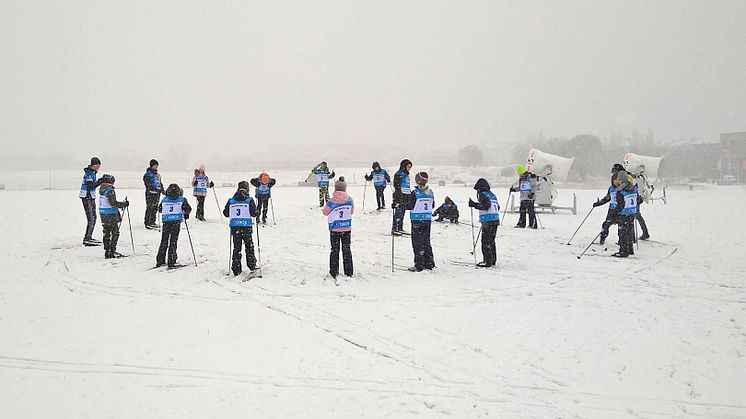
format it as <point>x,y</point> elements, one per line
<point>242,212</point>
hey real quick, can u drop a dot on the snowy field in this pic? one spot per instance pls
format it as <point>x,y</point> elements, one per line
<point>661,334</point>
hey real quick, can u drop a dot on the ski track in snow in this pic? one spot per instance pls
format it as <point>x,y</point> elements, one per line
<point>542,334</point>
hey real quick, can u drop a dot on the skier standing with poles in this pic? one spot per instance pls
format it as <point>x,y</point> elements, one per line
<point>263,193</point>
<point>527,184</point>
<point>381,179</point>
<point>241,210</point>
<point>153,191</point>
<point>611,215</point>
<point>323,174</point>
<point>201,182</point>
<point>88,197</point>
<point>111,219</point>
<point>489,217</point>
<point>339,211</point>
<point>174,209</point>
<point>402,197</point>
<point>625,210</point>
<point>421,203</point>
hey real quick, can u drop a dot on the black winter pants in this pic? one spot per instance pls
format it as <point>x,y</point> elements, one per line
<point>262,204</point>
<point>423,251</point>
<point>380,200</point>
<point>89,206</point>
<point>527,207</point>
<point>344,238</point>
<point>169,240</point>
<point>110,224</point>
<point>242,237</point>
<point>626,234</point>
<point>611,218</point>
<point>643,225</point>
<point>151,207</point>
<point>398,222</point>
<point>200,207</point>
<point>489,246</point>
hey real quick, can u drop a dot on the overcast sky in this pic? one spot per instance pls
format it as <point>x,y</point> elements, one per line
<point>84,75</point>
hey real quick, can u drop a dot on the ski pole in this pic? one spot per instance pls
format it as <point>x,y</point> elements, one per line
<point>194,256</point>
<point>230,251</point>
<point>637,241</point>
<point>272,206</point>
<point>365,189</point>
<point>217,202</point>
<point>589,245</point>
<point>473,240</point>
<point>536,214</point>
<point>259,248</point>
<point>129,223</point>
<point>581,224</point>
<point>506,204</point>
<point>392,243</point>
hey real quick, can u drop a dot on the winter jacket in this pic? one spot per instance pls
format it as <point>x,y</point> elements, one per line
<point>173,192</point>
<point>317,171</point>
<point>526,194</point>
<point>446,210</point>
<point>257,184</point>
<point>338,197</point>
<point>379,172</point>
<point>402,179</point>
<point>195,192</point>
<point>108,188</point>
<point>152,181</point>
<point>241,195</point>
<point>88,188</point>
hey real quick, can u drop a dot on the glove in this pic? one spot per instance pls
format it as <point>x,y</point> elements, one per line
<point>125,204</point>
<point>472,204</point>
<point>212,185</point>
<point>531,195</point>
<point>186,215</point>
<point>596,204</point>
<point>512,189</point>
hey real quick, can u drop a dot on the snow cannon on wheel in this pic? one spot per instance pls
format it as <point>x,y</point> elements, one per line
<point>549,169</point>
<point>643,168</point>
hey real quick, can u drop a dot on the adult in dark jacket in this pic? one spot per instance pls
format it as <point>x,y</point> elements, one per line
<point>402,196</point>
<point>263,193</point>
<point>625,212</point>
<point>380,178</point>
<point>174,209</point>
<point>447,211</point>
<point>489,217</point>
<point>611,215</point>
<point>153,191</point>
<point>240,210</point>
<point>88,197</point>
<point>110,217</point>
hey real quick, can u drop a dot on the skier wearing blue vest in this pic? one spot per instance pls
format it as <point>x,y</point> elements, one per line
<point>241,211</point>
<point>625,211</point>
<point>489,217</point>
<point>447,211</point>
<point>339,210</point>
<point>323,175</point>
<point>526,185</point>
<point>263,193</point>
<point>174,209</point>
<point>401,197</point>
<point>421,202</point>
<point>611,215</point>
<point>201,182</point>
<point>88,197</point>
<point>108,208</point>
<point>380,178</point>
<point>153,191</point>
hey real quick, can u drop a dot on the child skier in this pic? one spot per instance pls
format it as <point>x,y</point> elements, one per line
<point>108,207</point>
<point>420,205</point>
<point>153,191</point>
<point>339,210</point>
<point>527,186</point>
<point>380,178</point>
<point>240,210</point>
<point>88,196</point>
<point>201,182</point>
<point>611,215</point>
<point>263,193</point>
<point>323,174</point>
<point>401,197</point>
<point>174,209</point>
<point>447,211</point>
<point>489,216</point>
<point>626,210</point>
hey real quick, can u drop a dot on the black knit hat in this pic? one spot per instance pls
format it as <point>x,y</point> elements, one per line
<point>95,161</point>
<point>153,162</point>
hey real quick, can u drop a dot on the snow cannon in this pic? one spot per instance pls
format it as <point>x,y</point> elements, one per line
<point>643,168</point>
<point>549,169</point>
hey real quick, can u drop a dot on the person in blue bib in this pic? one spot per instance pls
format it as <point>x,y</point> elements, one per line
<point>108,208</point>
<point>526,185</point>
<point>323,175</point>
<point>88,197</point>
<point>489,217</point>
<point>240,210</point>
<point>339,212</point>
<point>401,197</point>
<point>174,208</point>
<point>381,179</point>
<point>420,208</point>
<point>153,191</point>
<point>263,193</point>
<point>625,211</point>
<point>200,183</point>
<point>611,215</point>
<point>447,211</point>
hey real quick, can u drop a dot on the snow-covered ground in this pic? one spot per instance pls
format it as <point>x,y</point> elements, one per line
<point>543,335</point>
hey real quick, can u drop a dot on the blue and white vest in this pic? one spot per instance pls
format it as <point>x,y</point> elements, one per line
<point>239,213</point>
<point>493,213</point>
<point>423,206</point>
<point>155,184</point>
<point>525,185</point>
<point>612,195</point>
<point>379,178</point>
<point>406,187</point>
<point>630,202</point>
<point>88,176</point>
<point>202,183</point>
<point>263,190</point>
<point>104,206</point>
<point>340,215</point>
<point>322,177</point>
<point>172,209</point>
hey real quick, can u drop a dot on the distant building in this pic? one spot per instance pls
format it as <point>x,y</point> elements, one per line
<point>733,156</point>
